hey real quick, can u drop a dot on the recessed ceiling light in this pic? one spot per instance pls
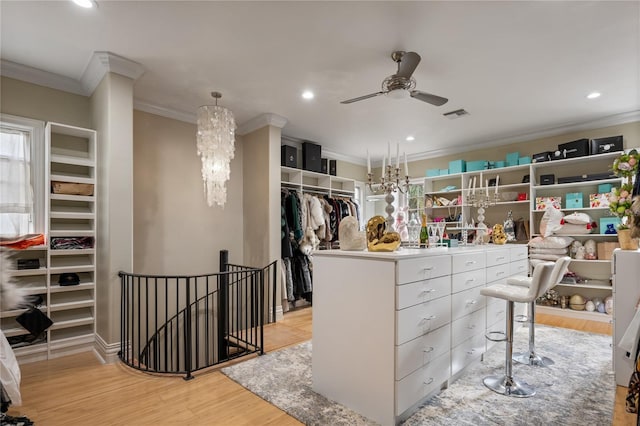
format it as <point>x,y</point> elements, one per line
<point>87,4</point>
<point>410,138</point>
<point>307,94</point>
<point>593,95</point>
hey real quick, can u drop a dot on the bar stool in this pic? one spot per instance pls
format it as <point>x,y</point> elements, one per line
<point>530,357</point>
<point>506,384</point>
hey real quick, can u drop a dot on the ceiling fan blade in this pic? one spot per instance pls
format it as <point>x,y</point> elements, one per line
<point>429,98</point>
<point>408,64</point>
<point>361,98</point>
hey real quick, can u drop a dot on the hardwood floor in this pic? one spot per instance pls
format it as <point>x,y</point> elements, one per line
<point>79,390</point>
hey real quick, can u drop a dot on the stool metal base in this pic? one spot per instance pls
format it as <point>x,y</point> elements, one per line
<point>533,359</point>
<point>508,386</point>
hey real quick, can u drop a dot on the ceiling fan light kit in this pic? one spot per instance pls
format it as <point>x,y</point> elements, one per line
<point>401,85</point>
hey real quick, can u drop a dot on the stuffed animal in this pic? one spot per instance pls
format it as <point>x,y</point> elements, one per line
<point>590,250</point>
<point>575,246</point>
<point>498,234</point>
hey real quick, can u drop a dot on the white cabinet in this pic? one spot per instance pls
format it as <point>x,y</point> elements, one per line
<point>626,295</point>
<point>391,329</point>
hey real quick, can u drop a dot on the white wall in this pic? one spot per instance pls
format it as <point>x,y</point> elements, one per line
<point>175,231</point>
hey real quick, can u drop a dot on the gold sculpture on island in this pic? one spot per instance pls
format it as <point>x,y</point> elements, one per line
<point>377,237</point>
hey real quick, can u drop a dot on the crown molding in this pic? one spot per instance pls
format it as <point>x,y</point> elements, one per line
<point>611,120</point>
<point>165,112</point>
<point>40,77</point>
<point>267,119</point>
<point>102,63</point>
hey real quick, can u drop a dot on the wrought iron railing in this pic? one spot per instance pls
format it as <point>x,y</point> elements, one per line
<point>182,324</point>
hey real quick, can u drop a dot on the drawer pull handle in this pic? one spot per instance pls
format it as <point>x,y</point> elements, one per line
<point>470,262</point>
<point>471,327</point>
<point>429,349</point>
<point>472,302</point>
<point>428,290</point>
<point>428,382</point>
<point>500,273</point>
<point>470,280</point>
<point>500,312</point>
<point>500,258</point>
<point>471,352</point>
<point>428,268</point>
<point>425,319</point>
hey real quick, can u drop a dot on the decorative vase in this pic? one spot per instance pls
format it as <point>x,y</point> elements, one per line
<point>625,240</point>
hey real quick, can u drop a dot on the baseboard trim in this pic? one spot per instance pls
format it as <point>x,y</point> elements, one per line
<point>108,352</point>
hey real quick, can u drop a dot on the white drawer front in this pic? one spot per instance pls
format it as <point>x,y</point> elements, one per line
<point>421,351</point>
<point>497,257</point>
<point>466,302</point>
<point>422,291</point>
<point>420,319</point>
<point>519,267</point>
<point>466,353</point>
<point>467,327</point>
<point>496,311</point>
<point>519,252</point>
<point>463,262</point>
<point>421,383</point>
<point>423,268</point>
<point>466,280</point>
<point>497,273</point>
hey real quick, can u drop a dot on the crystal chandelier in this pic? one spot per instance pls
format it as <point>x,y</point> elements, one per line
<point>215,139</point>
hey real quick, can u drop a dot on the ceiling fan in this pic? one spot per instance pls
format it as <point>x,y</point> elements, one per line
<point>401,84</point>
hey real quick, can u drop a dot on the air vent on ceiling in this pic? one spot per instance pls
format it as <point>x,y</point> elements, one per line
<point>455,114</point>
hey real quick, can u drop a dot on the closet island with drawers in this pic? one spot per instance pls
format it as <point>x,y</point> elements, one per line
<point>391,330</point>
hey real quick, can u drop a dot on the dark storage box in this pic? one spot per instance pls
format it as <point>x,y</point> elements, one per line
<point>28,264</point>
<point>332,167</point>
<point>600,176</point>
<point>325,165</point>
<point>541,156</point>
<point>311,157</point>
<point>547,179</point>
<point>573,149</point>
<point>604,145</point>
<point>288,156</point>
<point>571,179</point>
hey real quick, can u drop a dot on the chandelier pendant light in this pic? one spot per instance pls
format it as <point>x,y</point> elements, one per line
<point>215,142</point>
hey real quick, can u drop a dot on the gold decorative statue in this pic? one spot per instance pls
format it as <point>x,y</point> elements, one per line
<point>498,234</point>
<point>378,239</point>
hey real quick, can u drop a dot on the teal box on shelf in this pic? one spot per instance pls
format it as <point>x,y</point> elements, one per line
<point>457,166</point>
<point>604,188</point>
<point>499,164</point>
<point>444,172</point>
<point>524,160</point>
<point>433,172</point>
<point>474,166</point>
<point>609,225</point>
<point>512,158</point>
<point>573,200</point>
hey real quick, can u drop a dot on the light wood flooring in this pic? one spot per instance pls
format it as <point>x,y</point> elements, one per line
<point>79,390</point>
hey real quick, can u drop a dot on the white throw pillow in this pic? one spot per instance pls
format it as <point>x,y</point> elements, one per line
<point>551,242</point>
<point>578,218</point>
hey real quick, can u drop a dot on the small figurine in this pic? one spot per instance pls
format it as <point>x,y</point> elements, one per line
<point>401,226</point>
<point>574,248</point>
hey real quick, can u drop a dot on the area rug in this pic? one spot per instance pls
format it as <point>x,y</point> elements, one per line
<point>578,389</point>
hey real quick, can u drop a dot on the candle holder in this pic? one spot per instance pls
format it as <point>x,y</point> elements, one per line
<point>390,182</point>
<point>481,202</point>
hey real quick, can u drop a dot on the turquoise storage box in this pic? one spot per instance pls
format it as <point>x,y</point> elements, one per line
<point>604,188</point>
<point>499,164</point>
<point>444,172</point>
<point>609,225</point>
<point>524,160</point>
<point>433,172</point>
<point>512,158</point>
<point>473,166</point>
<point>457,166</point>
<point>573,200</point>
